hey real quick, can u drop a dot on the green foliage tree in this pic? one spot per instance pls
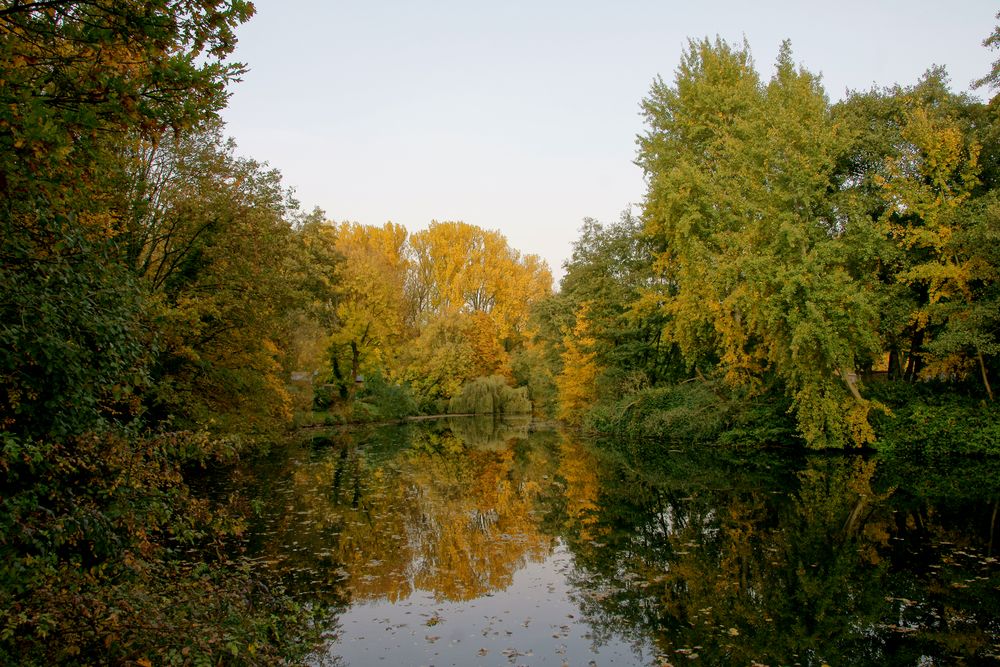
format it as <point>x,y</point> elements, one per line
<point>933,214</point>
<point>80,80</point>
<point>437,362</point>
<point>739,175</point>
<point>612,272</point>
<point>922,168</point>
<point>209,237</point>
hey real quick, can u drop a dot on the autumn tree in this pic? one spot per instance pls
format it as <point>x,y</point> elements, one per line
<point>461,268</point>
<point>94,506</point>
<point>370,303</point>
<point>438,361</point>
<point>469,299</point>
<point>209,238</point>
<point>940,226</point>
<point>922,167</point>
<point>314,265</point>
<point>739,175</point>
<point>576,382</point>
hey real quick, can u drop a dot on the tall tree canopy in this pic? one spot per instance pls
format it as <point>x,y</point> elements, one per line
<point>740,176</point>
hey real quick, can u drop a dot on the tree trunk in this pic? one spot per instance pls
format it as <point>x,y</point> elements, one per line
<point>339,377</point>
<point>355,368</point>
<point>850,378</point>
<point>986,380</point>
<point>854,519</point>
<point>913,358</point>
<point>993,523</point>
<point>895,369</point>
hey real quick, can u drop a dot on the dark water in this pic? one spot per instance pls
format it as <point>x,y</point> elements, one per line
<point>468,542</point>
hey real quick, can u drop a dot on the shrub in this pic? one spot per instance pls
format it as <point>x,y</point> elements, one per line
<point>927,419</point>
<point>685,412</point>
<point>379,399</point>
<point>695,412</point>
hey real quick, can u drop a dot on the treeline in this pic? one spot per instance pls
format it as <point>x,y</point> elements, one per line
<point>800,269</point>
<point>152,286</point>
<point>413,318</point>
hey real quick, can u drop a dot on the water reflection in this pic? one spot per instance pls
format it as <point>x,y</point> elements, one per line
<point>397,510</point>
<point>815,561</point>
<point>484,542</point>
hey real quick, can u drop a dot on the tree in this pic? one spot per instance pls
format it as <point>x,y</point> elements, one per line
<point>371,304</point>
<point>752,249</point>
<point>469,299</point>
<point>576,382</point>
<point>210,241</point>
<point>438,361</point>
<point>95,511</point>
<point>611,271</point>
<point>992,42</point>
<point>943,230</point>
<point>460,268</point>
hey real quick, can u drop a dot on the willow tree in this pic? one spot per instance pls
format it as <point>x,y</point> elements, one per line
<point>750,242</point>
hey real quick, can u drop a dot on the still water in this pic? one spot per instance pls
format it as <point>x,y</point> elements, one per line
<point>483,542</point>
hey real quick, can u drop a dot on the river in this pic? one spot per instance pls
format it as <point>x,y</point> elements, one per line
<point>488,542</point>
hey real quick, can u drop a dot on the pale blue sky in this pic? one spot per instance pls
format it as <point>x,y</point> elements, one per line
<point>522,116</point>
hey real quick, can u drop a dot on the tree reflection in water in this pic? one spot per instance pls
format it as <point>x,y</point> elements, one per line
<point>380,514</point>
<point>743,559</point>
<point>733,557</point>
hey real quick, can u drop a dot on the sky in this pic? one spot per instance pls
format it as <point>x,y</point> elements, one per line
<point>521,116</point>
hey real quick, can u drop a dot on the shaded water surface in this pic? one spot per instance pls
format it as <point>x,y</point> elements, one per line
<point>475,542</point>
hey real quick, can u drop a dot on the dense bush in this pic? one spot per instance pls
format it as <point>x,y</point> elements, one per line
<point>695,412</point>
<point>380,400</point>
<point>928,419</point>
<point>676,412</point>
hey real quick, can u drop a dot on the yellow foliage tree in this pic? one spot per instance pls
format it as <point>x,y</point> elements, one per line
<point>469,296</point>
<point>461,268</point>
<point>371,305</point>
<point>576,382</point>
<point>926,189</point>
<point>437,362</point>
<point>489,355</point>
